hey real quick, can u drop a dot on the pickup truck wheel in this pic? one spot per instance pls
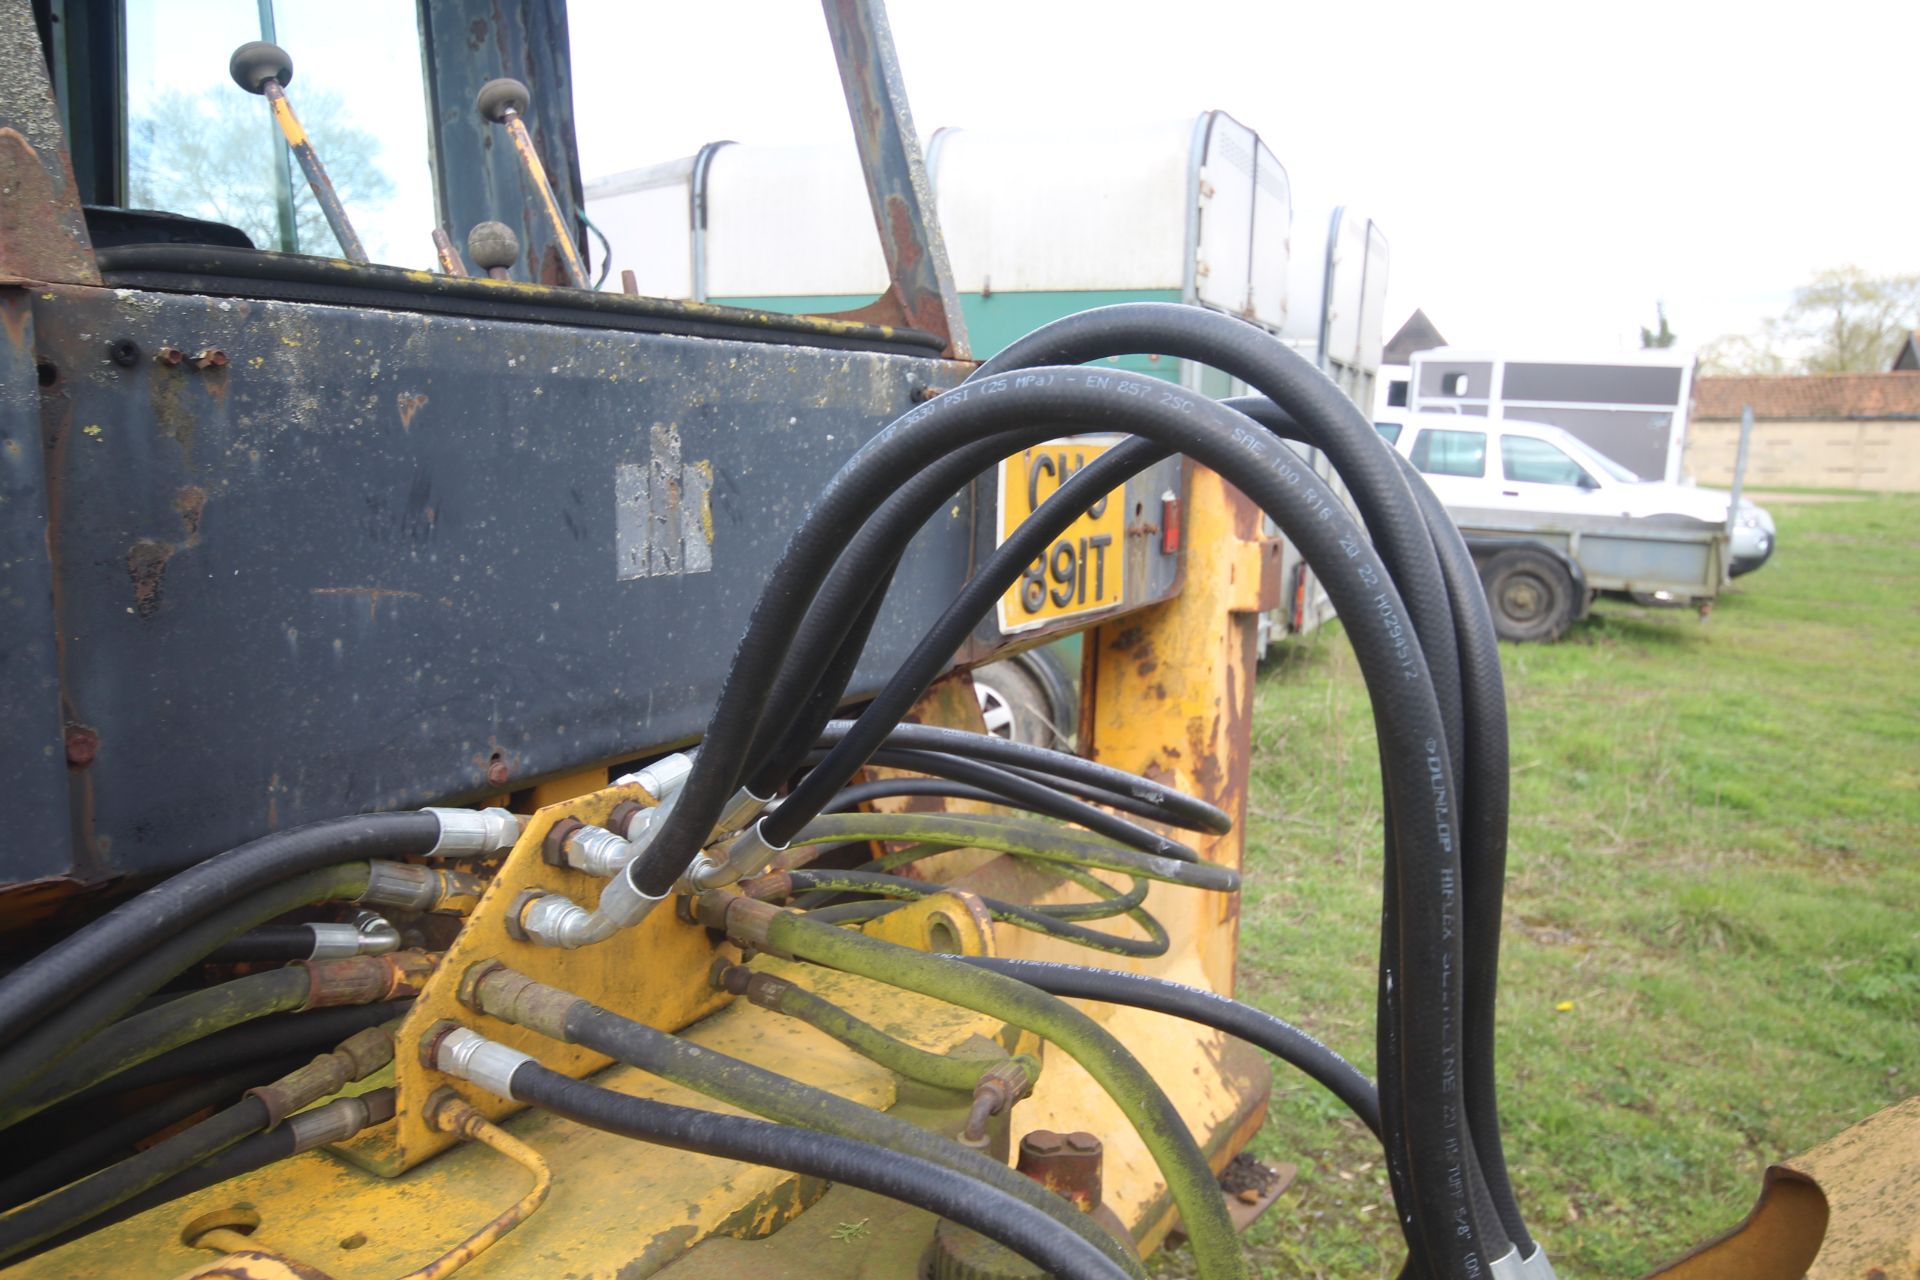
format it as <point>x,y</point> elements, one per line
<point>1530,593</point>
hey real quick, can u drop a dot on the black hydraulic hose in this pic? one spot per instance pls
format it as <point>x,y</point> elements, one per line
<point>80,1201</point>
<point>1281,1039</point>
<point>1419,766</point>
<point>856,741</point>
<point>269,943</point>
<point>787,1101</point>
<point>243,1157</point>
<point>826,648</point>
<point>137,926</point>
<point>150,1033</point>
<point>100,1144</point>
<point>1484,804</point>
<point>1033,796</point>
<point>1162,803</point>
<point>1483,849</point>
<point>268,1038</point>
<point>1013,913</point>
<point>26,1058</point>
<point>852,797</point>
<point>1413,733</point>
<point>1032,1234</point>
<point>1332,423</point>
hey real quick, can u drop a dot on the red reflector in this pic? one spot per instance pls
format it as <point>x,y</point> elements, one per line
<point>1169,524</point>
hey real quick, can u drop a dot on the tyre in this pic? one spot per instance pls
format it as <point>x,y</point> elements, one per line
<point>1028,698</point>
<point>1531,595</point>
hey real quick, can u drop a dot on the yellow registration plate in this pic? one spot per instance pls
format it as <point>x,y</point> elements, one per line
<point>1084,570</point>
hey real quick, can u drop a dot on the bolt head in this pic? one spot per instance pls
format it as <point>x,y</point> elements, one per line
<point>497,772</point>
<point>1083,1142</point>
<point>1042,1142</point>
<point>83,744</point>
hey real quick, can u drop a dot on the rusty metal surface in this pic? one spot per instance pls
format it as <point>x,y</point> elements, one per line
<point>540,191</point>
<point>33,754</point>
<point>920,293</point>
<point>467,43</point>
<point>316,173</point>
<point>371,561</point>
<point>43,234</point>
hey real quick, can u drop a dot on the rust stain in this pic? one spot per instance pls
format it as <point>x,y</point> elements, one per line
<point>374,595</point>
<point>42,236</point>
<point>1126,639</point>
<point>1201,740</point>
<point>147,570</point>
<point>191,503</point>
<point>410,404</point>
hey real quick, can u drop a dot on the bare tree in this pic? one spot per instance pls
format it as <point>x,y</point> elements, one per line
<point>212,155</point>
<point>1842,321</point>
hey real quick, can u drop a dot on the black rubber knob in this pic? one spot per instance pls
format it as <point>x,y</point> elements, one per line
<point>256,62</point>
<point>498,96</point>
<point>493,244</point>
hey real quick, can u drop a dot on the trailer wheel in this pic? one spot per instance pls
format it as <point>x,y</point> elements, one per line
<point>1531,595</point>
<point>1029,698</point>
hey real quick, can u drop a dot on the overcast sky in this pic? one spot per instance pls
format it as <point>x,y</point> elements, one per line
<point>1543,171</point>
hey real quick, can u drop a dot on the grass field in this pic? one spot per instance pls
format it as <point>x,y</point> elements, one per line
<point>1712,948</point>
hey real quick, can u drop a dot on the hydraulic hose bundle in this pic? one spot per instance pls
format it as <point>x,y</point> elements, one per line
<point>774,776</point>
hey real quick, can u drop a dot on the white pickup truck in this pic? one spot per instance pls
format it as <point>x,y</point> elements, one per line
<point>1552,522</point>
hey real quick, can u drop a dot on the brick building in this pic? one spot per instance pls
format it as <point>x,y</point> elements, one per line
<point>1828,431</point>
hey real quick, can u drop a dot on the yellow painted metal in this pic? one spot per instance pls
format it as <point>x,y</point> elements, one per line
<point>654,973</point>
<point>955,923</point>
<point>568,786</point>
<point>541,189</point>
<point>1848,1208</point>
<point>617,1207</point>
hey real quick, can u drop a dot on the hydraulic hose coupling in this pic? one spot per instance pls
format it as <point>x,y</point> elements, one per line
<point>469,833</point>
<point>748,853</point>
<point>490,987</point>
<point>744,920</point>
<point>408,886</point>
<point>369,934</point>
<point>554,920</point>
<point>467,1055</point>
<point>594,851</point>
<point>358,1056</point>
<point>367,979</point>
<point>1508,1266</point>
<point>662,780</point>
<point>340,1119</point>
<point>1535,1266</point>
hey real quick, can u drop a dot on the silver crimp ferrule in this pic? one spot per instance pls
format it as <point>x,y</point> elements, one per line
<point>468,1055</point>
<point>1508,1266</point>
<point>748,854</point>
<point>1536,1266</point>
<point>553,920</point>
<point>661,779</point>
<point>742,809</point>
<point>370,934</point>
<point>334,1121</point>
<point>466,833</point>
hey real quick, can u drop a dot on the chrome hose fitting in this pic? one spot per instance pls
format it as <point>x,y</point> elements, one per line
<point>468,1055</point>
<point>467,833</point>
<point>554,920</point>
<point>748,853</point>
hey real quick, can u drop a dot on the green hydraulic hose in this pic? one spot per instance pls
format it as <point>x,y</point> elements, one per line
<point>132,1041</point>
<point>1110,903</point>
<point>941,1070</point>
<point>1031,919</point>
<point>50,1042</point>
<point>515,998</point>
<point>1041,841</point>
<point>1167,1138</point>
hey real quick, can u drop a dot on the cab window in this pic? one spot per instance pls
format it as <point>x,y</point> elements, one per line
<point>1389,431</point>
<point>1529,461</point>
<point>1450,453</point>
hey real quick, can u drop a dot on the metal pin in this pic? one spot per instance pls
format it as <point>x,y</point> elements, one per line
<point>263,68</point>
<point>503,102</point>
<point>629,283</point>
<point>450,263</point>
